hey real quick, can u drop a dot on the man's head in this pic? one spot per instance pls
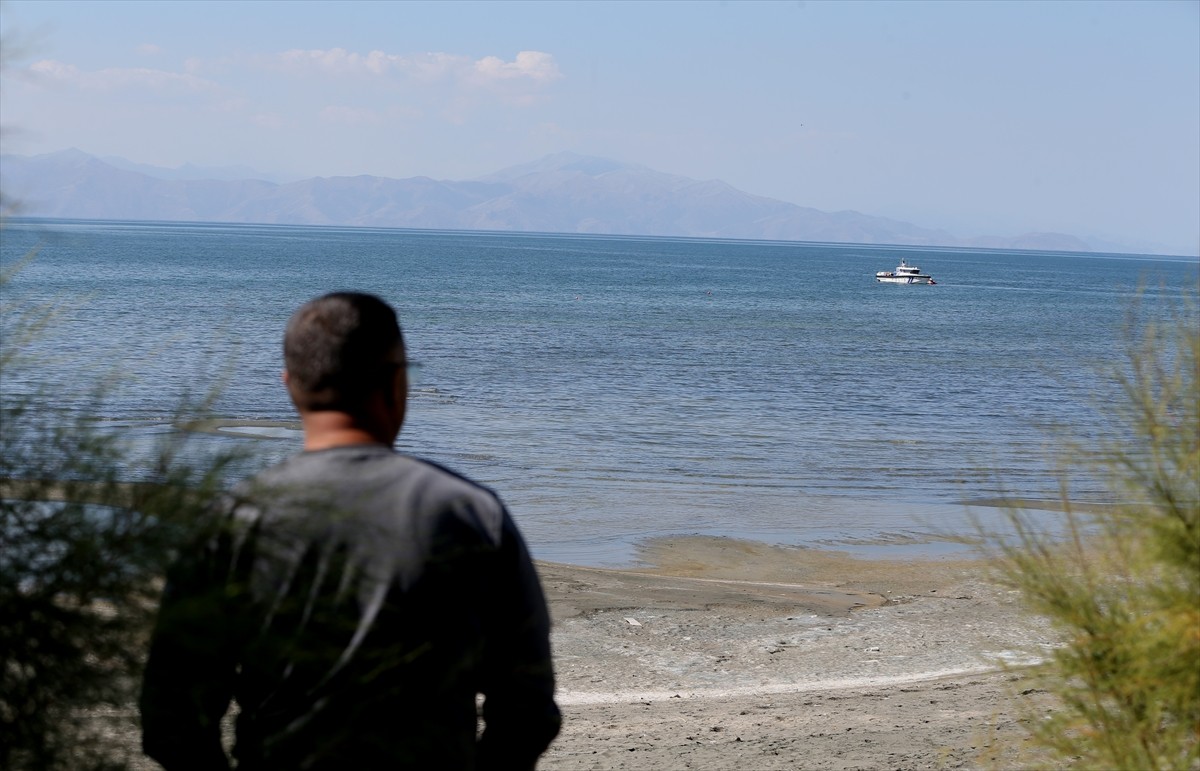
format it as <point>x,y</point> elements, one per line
<point>344,353</point>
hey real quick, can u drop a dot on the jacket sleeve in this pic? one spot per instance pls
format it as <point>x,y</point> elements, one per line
<point>520,716</point>
<point>189,676</point>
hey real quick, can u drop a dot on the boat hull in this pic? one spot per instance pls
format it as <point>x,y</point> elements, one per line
<point>904,279</point>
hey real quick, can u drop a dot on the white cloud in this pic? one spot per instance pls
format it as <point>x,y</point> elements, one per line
<point>50,68</point>
<point>334,60</point>
<point>115,78</point>
<point>529,66</point>
<point>534,65</point>
<point>149,49</point>
<point>431,66</point>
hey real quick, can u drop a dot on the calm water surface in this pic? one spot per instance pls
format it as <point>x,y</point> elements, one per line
<point>613,389</point>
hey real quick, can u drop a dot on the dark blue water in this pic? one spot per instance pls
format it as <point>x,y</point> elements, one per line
<point>616,388</point>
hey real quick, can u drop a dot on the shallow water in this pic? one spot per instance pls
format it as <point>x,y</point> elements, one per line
<point>613,389</point>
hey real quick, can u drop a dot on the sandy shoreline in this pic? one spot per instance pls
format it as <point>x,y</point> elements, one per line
<point>727,654</point>
<point>731,654</point>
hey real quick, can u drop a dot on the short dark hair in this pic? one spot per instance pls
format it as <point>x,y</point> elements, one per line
<point>340,348</point>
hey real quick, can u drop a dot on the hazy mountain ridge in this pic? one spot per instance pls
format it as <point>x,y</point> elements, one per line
<point>192,171</point>
<point>562,193</point>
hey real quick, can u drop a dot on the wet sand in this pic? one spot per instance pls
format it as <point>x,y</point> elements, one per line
<point>729,654</point>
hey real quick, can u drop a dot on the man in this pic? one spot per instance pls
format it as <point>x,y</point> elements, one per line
<point>355,600</point>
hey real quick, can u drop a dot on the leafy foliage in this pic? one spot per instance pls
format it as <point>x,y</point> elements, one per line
<point>85,534</point>
<point>1123,587</point>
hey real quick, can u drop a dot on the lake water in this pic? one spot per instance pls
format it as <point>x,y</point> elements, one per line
<point>614,389</point>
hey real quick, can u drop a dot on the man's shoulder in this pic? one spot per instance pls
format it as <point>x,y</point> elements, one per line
<point>439,482</point>
<point>340,471</point>
<point>446,476</point>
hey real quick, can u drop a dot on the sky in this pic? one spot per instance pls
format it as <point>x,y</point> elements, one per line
<point>982,118</point>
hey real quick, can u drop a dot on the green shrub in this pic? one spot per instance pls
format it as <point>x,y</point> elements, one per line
<point>1123,586</point>
<point>85,534</point>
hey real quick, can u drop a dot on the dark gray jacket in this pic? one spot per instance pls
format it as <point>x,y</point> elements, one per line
<point>354,601</point>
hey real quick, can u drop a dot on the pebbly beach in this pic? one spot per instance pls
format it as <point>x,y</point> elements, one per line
<point>725,654</point>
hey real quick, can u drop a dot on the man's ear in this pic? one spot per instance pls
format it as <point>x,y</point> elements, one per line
<point>284,377</point>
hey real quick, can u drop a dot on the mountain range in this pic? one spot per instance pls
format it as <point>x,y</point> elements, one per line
<point>561,193</point>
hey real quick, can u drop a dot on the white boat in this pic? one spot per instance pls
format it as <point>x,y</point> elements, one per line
<point>904,274</point>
